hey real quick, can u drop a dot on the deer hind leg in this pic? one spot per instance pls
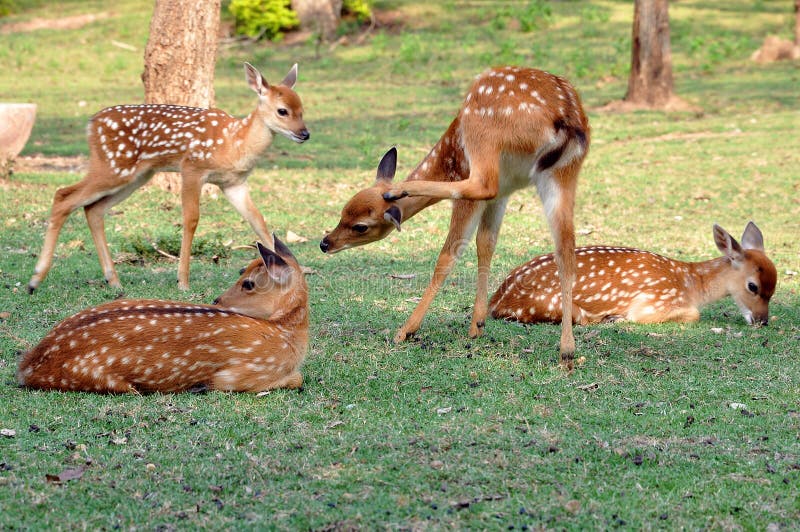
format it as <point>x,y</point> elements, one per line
<point>558,197</point>
<point>239,197</point>
<point>486,241</point>
<point>241,379</point>
<point>95,218</point>
<point>463,220</point>
<point>66,200</point>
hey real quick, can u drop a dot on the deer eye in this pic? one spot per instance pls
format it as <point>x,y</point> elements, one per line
<point>247,284</point>
<point>360,228</point>
<point>283,112</point>
<point>752,287</point>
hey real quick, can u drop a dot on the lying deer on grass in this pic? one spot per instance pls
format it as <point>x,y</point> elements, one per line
<point>517,127</point>
<point>129,143</point>
<point>253,338</point>
<point>616,283</point>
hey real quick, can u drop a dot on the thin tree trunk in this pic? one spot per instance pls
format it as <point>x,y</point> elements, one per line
<point>319,16</point>
<point>180,57</point>
<point>650,80</point>
<point>797,22</point>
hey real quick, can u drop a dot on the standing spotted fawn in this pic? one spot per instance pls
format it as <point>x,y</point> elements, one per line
<point>517,127</point>
<point>129,143</point>
<point>253,338</point>
<point>622,283</point>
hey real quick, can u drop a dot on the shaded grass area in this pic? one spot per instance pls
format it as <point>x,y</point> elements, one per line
<point>443,431</point>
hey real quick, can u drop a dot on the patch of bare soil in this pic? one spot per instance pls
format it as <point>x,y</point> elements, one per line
<point>776,49</point>
<point>41,163</point>
<point>64,23</point>
<point>674,104</point>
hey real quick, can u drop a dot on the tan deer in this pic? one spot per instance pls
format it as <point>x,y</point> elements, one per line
<point>129,143</point>
<point>517,127</point>
<point>616,283</point>
<point>253,338</point>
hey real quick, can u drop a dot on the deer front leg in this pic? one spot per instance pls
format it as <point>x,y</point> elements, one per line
<point>486,240</point>
<point>239,197</point>
<point>190,205</point>
<point>463,220</point>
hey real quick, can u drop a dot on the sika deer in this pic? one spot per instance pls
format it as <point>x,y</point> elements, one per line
<point>517,127</point>
<point>129,143</point>
<point>623,283</point>
<point>253,338</point>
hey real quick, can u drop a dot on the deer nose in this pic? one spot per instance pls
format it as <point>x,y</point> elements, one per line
<point>764,320</point>
<point>324,245</point>
<point>305,135</point>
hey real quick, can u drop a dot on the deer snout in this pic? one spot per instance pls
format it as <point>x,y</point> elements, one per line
<point>324,245</point>
<point>304,135</point>
<point>762,320</point>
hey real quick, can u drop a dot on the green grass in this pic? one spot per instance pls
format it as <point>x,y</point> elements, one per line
<point>444,431</point>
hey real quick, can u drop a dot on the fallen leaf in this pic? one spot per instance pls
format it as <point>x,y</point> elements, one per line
<point>72,473</point>
<point>5,315</point>
<point>445,410</point>
<point>334,424</point>
<point>573,506</point>
<point>402,275</point>
<point>717,330</point>
<point>8,433</point>
<point>588,387</point>
<point>294,238</point>
<point>737,406</point>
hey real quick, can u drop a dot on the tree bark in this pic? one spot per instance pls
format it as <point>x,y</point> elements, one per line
<point>180,57</point>
<point>797,22</point>
<point>650,82</point>
<point>320,16</point>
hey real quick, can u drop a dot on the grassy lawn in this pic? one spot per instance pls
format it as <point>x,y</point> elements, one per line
<point>444,431</point>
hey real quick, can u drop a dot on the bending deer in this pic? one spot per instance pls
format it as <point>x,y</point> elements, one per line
<point>516,127</point>
<point>253,338</point>
<point>129,143</point>
<point>622,283</point>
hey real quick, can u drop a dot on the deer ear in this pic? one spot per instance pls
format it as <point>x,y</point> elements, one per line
<point>752,237</point>
<point>394,216</point>
<point>278,270</point>
<point>281,248</point>
<point>727,244</point>
<point>291,77</point>
<point>254,79</point>
<point>387,166</point>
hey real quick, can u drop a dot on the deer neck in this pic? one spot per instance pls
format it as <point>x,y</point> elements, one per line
<point>250,138</point>
<point>446,161</point>
<point>709,279</point>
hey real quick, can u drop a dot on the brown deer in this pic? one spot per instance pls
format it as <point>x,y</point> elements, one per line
<point>129,143</point>
<point>615,283</point>
<point>253,338</point>
<point>517,127</point>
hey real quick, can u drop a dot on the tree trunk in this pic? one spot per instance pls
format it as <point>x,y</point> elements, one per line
<point>650,82</point>
<point>319,16</point>
<point>797,22</point>
<point>180,57</point>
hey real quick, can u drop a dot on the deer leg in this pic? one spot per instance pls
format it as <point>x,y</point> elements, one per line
<point>486,241</point>
<point>190,205</point>
<point>482,184</point>
<point>558,197</point>
<point>95,218</point>
<point>463,220</point>
<point>239,197</point>
<point>66,200</point>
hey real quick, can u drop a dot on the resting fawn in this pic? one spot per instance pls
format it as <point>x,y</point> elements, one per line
<point>253,338</point>
<point>129,143</point>
<point>517,127</point>
<point>623,283</point>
